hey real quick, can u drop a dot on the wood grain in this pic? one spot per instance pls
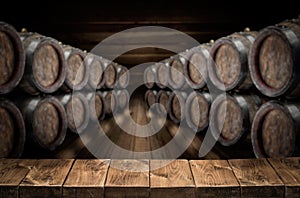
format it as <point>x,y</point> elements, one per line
<point>86,179</point>
<point>214,178</point>
<point>12,172</point>
<point>288,170</point>
<point>257,178</point>
<point>173,179</point>
<point>125,179</point>
<point>45,178</point>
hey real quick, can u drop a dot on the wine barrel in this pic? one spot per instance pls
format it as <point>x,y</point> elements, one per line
<point>228,65</point>
<point>195,69</point>
<point>12,59</point>
<point>150,97</point>
<point>12,130</point>
<point>97,106</point>
<point>77,71</point>
<point>150,76</point>
<point>96,72</point>
<point>77,109</point>
<point>162,98</point>
<point>231,117</point>
<point>111,102</point>
<point>176,72</point>
<point>123,98</point>
<point>110,75</point>
<point>123,77</point>
<point>176,106</point>
<point>197,109</point>
<point>46,121</point>
<point>274,60</point>
<point>162,75</point>
<point>275,130</point>
<point>45,69</point>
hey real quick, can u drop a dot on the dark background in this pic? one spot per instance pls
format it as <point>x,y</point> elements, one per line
<point>85,24</point>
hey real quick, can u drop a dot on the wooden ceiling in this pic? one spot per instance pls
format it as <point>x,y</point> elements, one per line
<point>85,24</point>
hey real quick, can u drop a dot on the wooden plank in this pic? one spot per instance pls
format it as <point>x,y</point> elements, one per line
<point>12,172</point>
<point>86,179</point>
<point>214,178</point>
<point>45,178</point>
<point>123,183</point>
<point>288,170</point>
<point>171,179</point>
<point>257,178</point>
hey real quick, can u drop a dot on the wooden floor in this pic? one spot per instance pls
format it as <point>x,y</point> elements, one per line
<point>180,178</point>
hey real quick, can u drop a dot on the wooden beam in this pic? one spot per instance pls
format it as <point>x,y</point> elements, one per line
<point>45,178</point>
<point>173,179</point>
<point>288,170</point>
<point>257,178</point>
<point>214,178</point>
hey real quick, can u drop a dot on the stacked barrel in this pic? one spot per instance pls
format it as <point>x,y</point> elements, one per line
<point>245,89</point>
<point>48,88</point>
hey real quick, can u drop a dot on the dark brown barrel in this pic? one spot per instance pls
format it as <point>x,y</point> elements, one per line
<point>176,72</point>
<point>96,72</point>
<point>275,130</point>
<point>110,75</point>
<point>195,69</point>
<point>274,60</point>
<point>150,97</point>
<point>228,65</point>
<point>162,75</point>
<point>46,121</point>
<point>111,102</point>
<point>231,117</point>
<point>12,130</point>
<point>123,77</point>
<point>97,106</point>
<point>176,106</point>
<point>77,110</point>
<point>77,74</point>
<point>12,59</point>
<point>162,98</point>
<point>45,69</point>
<point>123,98</point>
<point>197,109</point>
<point>150,76</point>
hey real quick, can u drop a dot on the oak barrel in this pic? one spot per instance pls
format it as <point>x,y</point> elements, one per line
<point>110,75</point>
<point>96,72</point>
<point>12,59</point>
<point>176,106</point>
<point>111,102</point>
<point>162,98</point>
<point>275,130</point>
<point>12,130</point>
<point>97,106</point>
<point>150,76</point>
<point>162,75</point>
<point>123,77</point>
<point>176,78</point>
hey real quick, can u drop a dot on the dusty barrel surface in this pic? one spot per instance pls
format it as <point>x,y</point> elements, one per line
<point>12,59</point>
<point>96,105</point>
<point>45,69</point>
<point>231,117</point>
<point>275,130</point>
<point>162,98</point>
<point>46,121</point>
<point>176,106</point>
<point>274,60</point>
<point>77,71</point>
<point>197,110</point>
<point>150,76</point>
<point>123,77</point>
<point>195,69</point>
<point>162,75</point>
<point>96,72</point>
<point>110,75</point>
<point>228,65</point>
<point>12,130</point>
<point>176,78</point>
<point>77,109</point>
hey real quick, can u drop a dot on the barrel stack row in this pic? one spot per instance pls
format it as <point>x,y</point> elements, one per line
<point>245,88</point>
<point>47,88</point>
